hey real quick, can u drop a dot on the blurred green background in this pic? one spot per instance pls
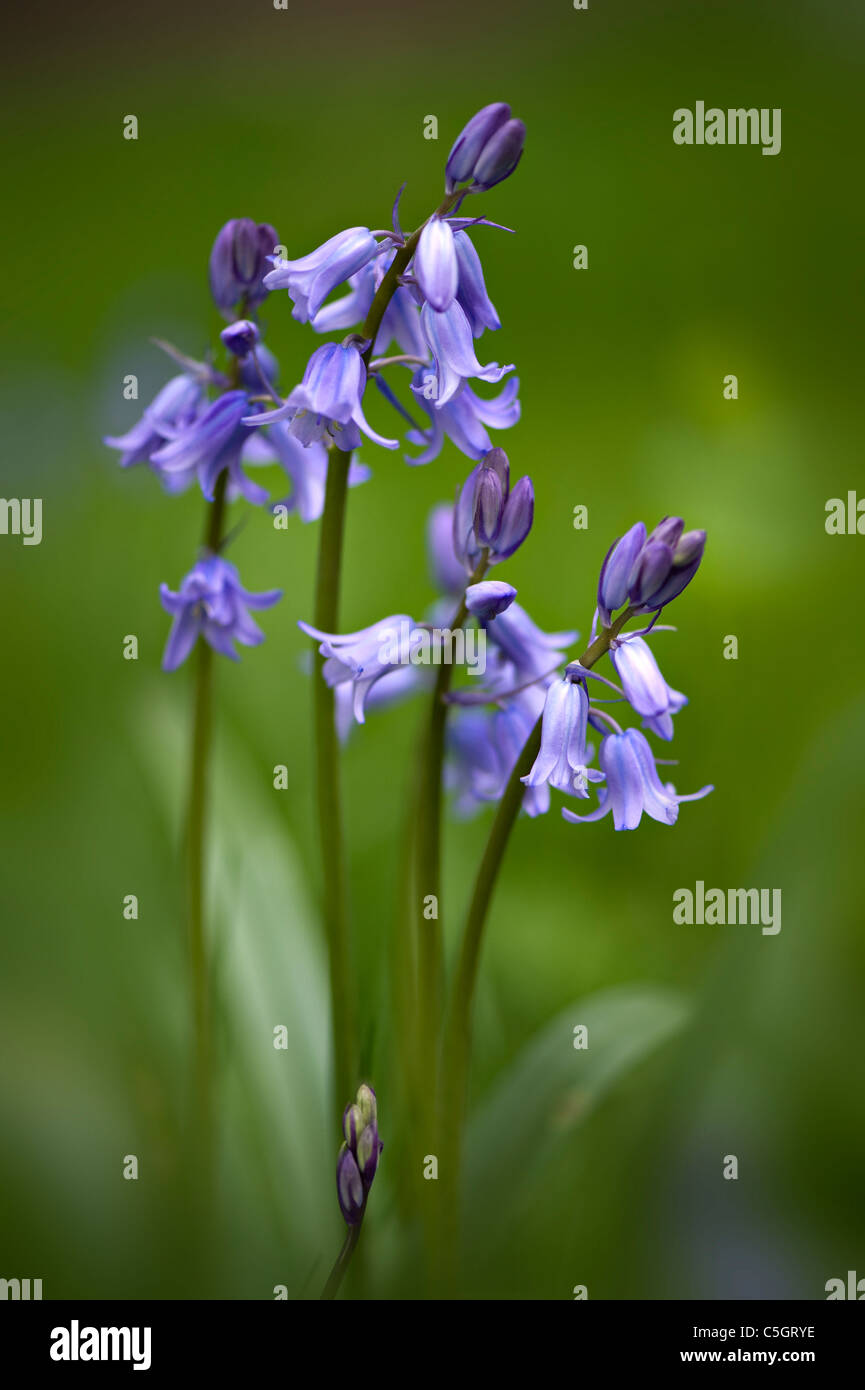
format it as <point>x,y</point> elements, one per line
<point>701,262</point>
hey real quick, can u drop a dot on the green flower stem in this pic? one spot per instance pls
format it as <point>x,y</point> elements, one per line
<point>457,1044</point>
<point>326,618</point>
<point>337,1274</point>
<point>330,828</point>
<point>429,953</point>
<point>195,869</point>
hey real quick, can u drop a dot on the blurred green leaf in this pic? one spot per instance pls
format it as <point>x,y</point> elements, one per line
<point>552,1086</point>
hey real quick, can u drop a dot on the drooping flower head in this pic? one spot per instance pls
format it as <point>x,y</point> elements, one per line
<point>327,405</point>
<point>563,759</point>
<point>645,688</point>
<point>312,278</point>
<point>362,658</point>
<point>212,603</point>
<point>211,444</point>
<point>633,785</point>
<point>168,414</point>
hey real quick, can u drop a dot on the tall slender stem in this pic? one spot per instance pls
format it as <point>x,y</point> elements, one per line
<point>337,1274</point>
<point>430,963</point>
<point>196,868</point>
<point>457,1044</point>
<point>330,826</point>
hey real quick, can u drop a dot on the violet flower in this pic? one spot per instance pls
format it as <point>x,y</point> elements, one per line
<point>449,337</point>
<point>327,405</point>
<point>646,690</point>
<point>362,658</point>
<point>489,514</point>
<point>212,602</point>
<point>471,290</point>
<point>463,419</point>
<point>633,785</point>
<point>311,279</point>
<point>564,755</point>
<point>168,414</point>
<point>435,264</point>
<point>211,444</point>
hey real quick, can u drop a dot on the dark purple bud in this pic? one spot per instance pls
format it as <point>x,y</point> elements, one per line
<point>489,507</point>
<point>616,571</point>
<point>238,263</point>
<point>470,142</point>
<point>349,1187</point>
<point>464,510</point>
<point>517,520</point>
<point>499,156</point>
<point>668,531</point>
<point>368,1150</point>
<point>650,571</point>
<point>690,548</point>
<point>240,337</point>
<point>489,598</point>
<point>497,460</point>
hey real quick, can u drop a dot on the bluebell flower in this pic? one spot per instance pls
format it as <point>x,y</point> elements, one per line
<point>511,727</point>
<point>463,419</point>
<point>486,150</point>
<point>564,755</point>
<point>646,690</point>
<point>633,785</point>
<point>349,1187</point>
<point>311,279</point>
<point>362,658</point>
<point>398,684</point>
<point>212,602</point>
<point>489,598</point>
<point>212,443</point>
<point>449,337</point>
<point>471,289</point>
<point>168,414</point>
<point>435,264</point>
<point>327,404</point>
<point>238,263</point>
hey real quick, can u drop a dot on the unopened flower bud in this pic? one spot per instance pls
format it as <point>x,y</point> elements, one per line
<point>353,1123</point>
<point>470,142</point>
<point>517,520</point>
<point>349,1187</point>
<point>240,337</point>
<point>238,263</point>
<point>616,571</point>
<point>489,506</point>
<point>366,1104</point>
<point>651,568</point>
<point>368,1150</point>
<point>489,598</point>
<point>500,156</point>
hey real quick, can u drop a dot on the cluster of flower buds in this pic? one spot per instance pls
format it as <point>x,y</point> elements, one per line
<point>358,1157</point>
<point>489,514</point>
<point>487,150</point>
<point>649,571</point>
<point>238,262</point>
